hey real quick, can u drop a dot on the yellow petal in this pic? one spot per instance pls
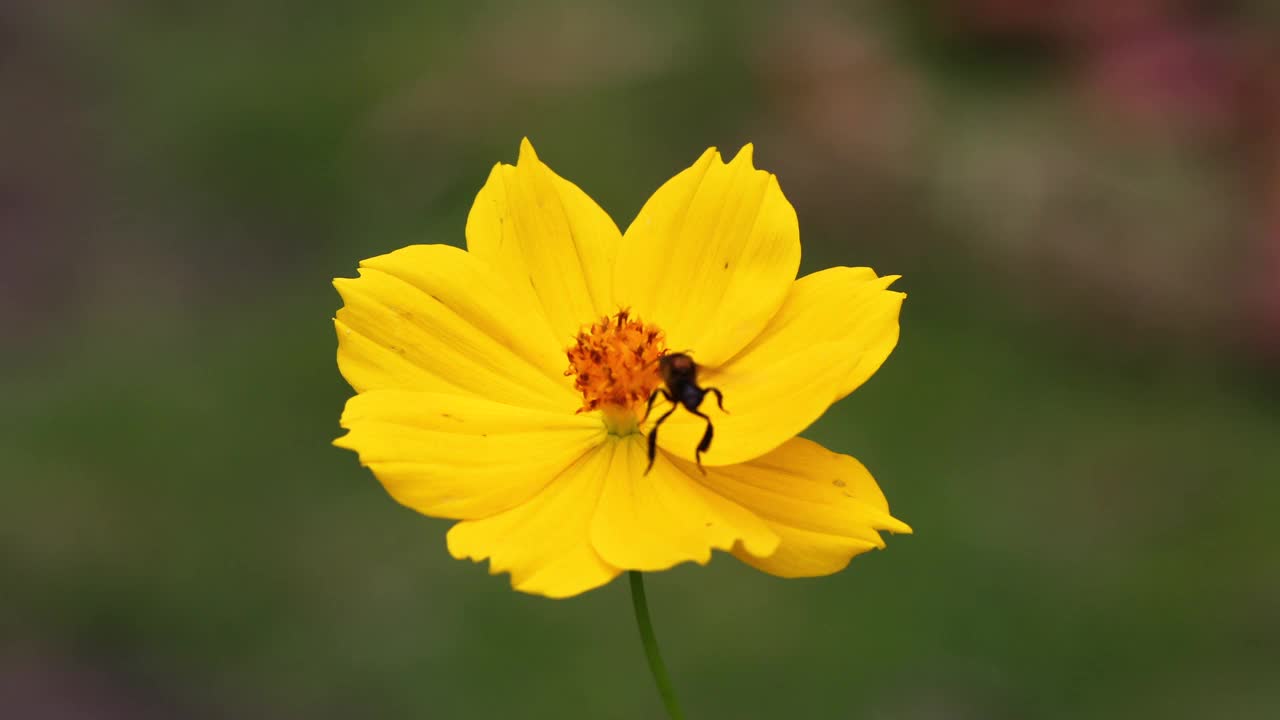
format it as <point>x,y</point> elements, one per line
<point>835,328</point>
<point>553,244</point>
<point>461,457</point>
<point>807,554</point>
<point>432,317</point>
<point>865,317</point>
<point>711,256</point>
<point>655,521</point>
<point>545,543</point>
<point>824,506</point>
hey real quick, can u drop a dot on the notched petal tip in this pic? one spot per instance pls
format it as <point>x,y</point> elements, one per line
<point>759,546</point>
<point>884,282</point>
<point>897,527</point>
<point>343,441</point>
<point>460,548</point>
<point>527,153</point>
<point>341,284</point>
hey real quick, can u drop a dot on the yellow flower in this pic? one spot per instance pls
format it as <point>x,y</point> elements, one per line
<point>466,407</point>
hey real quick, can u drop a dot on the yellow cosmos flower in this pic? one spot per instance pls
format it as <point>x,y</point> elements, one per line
<point>504,386</point>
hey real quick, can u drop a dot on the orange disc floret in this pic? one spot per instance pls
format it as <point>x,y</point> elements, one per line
<point>614,362</point>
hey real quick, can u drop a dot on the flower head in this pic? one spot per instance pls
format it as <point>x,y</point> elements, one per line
<point>505,386</point>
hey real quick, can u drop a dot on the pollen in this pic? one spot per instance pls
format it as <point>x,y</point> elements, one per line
<point>614,362</point>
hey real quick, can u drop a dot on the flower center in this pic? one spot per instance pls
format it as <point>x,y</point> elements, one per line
<point>614,363</point>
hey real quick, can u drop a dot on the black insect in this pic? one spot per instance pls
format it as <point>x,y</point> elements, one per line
<point>680,373</point>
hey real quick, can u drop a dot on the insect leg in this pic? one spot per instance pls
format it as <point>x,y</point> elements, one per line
<point>719,398</point>
<point>653,437</point>
<point>705,444</point>
<point>654,396</point>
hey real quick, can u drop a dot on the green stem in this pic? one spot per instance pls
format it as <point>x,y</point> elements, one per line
<point>651,647</point>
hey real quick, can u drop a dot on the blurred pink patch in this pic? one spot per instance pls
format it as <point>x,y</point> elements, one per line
<point>1143,61</point>
<point>1159,73</point>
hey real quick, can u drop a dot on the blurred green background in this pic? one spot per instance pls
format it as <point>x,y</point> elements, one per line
<point>1081,421</point>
